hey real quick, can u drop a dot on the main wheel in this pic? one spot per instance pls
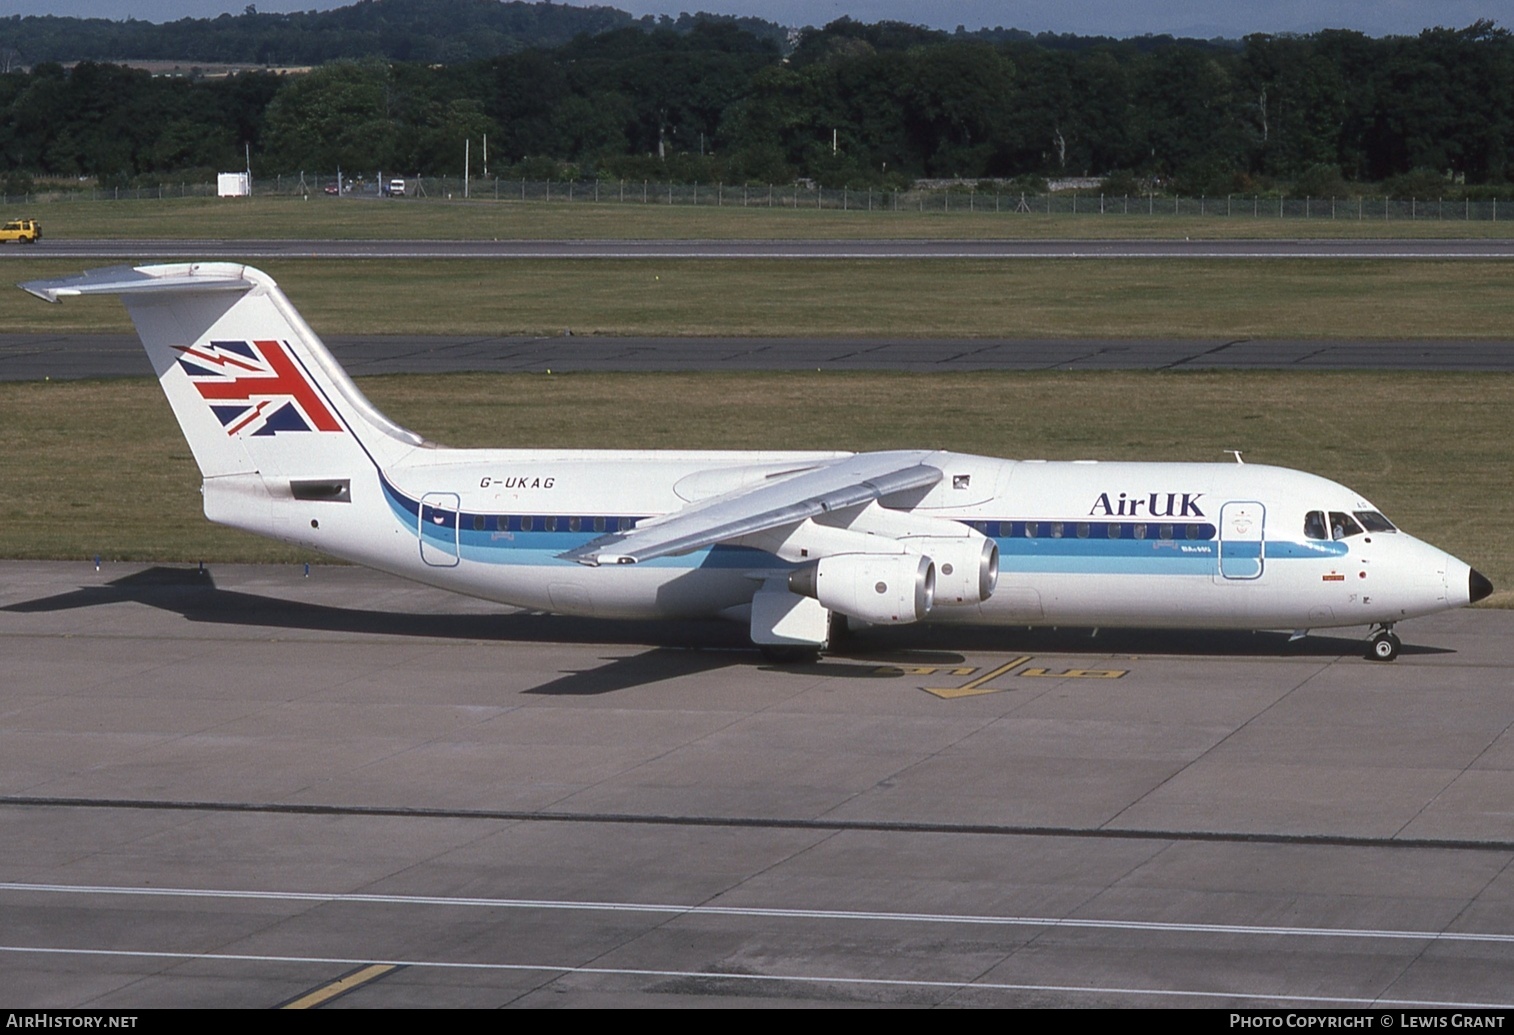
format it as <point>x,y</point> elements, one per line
<point>1385,647</point>
<point>784,655</point>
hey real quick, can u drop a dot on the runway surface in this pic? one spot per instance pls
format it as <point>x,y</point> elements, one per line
<point>143,250</point>
<point>248,788</point>
<point>32,357</point>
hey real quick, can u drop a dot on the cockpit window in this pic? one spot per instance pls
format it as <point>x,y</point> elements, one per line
<point>1314,525</point>
<point>1343,526</point>
<point>1372,521</point>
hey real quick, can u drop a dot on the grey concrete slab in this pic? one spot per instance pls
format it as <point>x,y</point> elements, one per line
<point>228,789</point>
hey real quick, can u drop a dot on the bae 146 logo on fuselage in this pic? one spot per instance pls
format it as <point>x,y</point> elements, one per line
<point>255,387</point>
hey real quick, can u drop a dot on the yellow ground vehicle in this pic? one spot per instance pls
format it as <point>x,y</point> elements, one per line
<point>27,231</point>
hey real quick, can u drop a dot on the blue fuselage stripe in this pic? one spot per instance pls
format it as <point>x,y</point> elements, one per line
<point>1105,548</point>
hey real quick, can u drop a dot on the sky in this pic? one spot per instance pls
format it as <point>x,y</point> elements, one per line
<point>1200,18</point>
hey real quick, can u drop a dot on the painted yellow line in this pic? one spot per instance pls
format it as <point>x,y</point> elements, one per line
<point>1077,673</point>
<point>323,994</point>
<point>976,686</point>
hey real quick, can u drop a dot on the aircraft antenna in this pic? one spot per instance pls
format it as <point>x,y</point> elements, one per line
<point>1237,455</point>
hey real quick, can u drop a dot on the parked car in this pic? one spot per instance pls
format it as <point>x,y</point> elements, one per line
<point>27,231</point>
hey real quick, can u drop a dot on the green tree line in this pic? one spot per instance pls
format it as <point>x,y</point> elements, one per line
<point>848,104</point>
<point>432,31</point>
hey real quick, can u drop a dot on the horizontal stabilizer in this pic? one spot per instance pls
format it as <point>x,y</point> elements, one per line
<point>128,280</point>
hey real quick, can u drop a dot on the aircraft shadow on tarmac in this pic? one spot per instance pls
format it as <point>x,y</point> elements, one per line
<point>676,648</point>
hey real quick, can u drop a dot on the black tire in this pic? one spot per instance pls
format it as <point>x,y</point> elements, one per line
<point>1384,647</point>
<point>784,655</point>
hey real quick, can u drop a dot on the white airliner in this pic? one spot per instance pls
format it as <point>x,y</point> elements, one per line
<point>783,541</point>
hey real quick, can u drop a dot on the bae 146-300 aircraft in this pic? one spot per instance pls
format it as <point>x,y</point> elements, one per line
<point>782,541</point>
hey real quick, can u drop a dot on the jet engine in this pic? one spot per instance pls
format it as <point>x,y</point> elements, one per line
<point>885,589</point>
<point>967,569</point>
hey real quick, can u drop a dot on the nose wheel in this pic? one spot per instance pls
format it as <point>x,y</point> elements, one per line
<point>1384,645</point>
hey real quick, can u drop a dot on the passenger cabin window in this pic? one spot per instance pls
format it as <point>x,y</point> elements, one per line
<point>1343,526</point>
<point>1372,521</point>
<point>1314,525</point>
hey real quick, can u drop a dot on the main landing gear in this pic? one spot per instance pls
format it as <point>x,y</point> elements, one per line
<point>838,629</point>
<point>1384,645</point>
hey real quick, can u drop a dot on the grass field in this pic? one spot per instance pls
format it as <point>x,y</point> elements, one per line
<point>1281,298</point>
<point>99,468</point>
<point>414,219</point>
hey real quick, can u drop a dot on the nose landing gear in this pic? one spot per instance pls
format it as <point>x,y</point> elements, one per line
<point>1384,644</point>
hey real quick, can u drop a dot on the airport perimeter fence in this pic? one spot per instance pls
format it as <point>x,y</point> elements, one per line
<point>802,197</point>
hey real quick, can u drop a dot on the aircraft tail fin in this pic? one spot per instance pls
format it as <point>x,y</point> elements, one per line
<point>253,387</point>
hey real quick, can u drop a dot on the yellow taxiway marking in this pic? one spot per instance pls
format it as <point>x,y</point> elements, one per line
<point>922,670</point>
<point>323,994</point>
<point>1076,673</point>
<point>975,686</point>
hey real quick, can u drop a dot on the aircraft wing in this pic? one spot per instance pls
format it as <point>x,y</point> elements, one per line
<point>848,482</point>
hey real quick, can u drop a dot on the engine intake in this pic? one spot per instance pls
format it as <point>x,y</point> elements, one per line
<point>967,569</point>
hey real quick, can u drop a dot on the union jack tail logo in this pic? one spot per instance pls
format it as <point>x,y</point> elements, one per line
<point>255,387</point>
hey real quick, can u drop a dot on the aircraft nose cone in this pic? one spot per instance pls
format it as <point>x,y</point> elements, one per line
<point>1478,586</point>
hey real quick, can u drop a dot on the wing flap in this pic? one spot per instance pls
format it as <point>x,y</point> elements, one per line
<point>849,482</point>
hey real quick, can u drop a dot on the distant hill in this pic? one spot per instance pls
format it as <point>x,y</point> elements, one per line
<point>430,31</point>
